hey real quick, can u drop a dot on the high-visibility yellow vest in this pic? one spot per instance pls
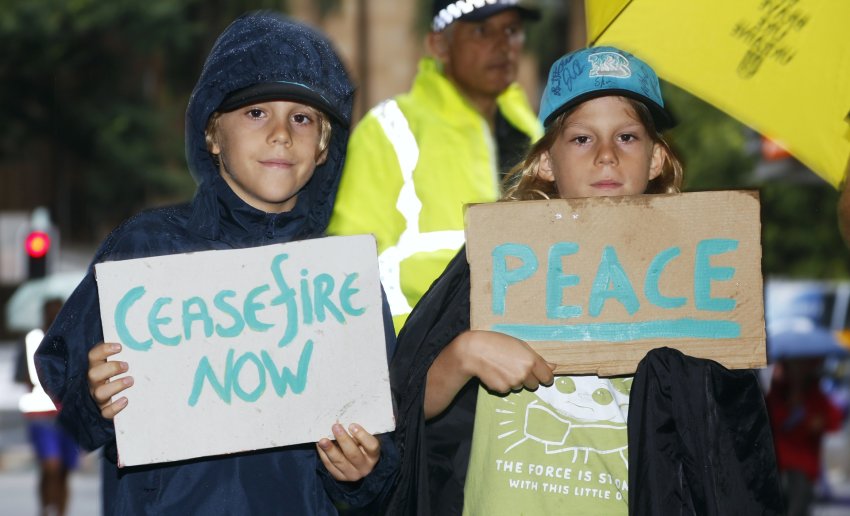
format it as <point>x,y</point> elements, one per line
<point>412,163</point>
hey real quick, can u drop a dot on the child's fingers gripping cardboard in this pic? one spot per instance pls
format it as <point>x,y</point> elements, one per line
<point>104,393</point>
<point>100,352</point>
<point>370,446</point>
<point>349,457</point>
<point>543,371</point>
<point>335,461</point>
<point>100,373</point>
<point>111,409</point>
<point>101,370</point>
<point>506,364</point>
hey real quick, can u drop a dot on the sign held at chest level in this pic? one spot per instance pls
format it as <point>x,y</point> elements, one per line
<point>593,284</point>
<point>246,349</point>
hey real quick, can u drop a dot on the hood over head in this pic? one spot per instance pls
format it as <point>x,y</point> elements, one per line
<point>263,50</point>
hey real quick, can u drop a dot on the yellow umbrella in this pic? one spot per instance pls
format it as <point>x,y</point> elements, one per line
<point>781,67</point>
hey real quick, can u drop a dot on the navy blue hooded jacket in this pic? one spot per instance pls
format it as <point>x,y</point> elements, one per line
<point>256,48</point>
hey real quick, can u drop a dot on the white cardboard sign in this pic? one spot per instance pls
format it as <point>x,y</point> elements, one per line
<point>237,350</point>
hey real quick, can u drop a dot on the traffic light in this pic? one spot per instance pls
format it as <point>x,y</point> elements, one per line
<point>40,244</point>
<point>37,246</point>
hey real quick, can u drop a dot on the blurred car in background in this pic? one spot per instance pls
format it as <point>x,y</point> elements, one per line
<point>825,303</point>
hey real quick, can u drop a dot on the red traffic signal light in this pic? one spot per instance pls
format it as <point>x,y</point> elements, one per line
<point>37,244</point>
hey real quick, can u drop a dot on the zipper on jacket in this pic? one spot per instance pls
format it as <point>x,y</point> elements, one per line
<point>270,226</point>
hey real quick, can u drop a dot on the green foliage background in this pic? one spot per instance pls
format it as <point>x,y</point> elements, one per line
<point>96,90</point>
<point>101,88</point>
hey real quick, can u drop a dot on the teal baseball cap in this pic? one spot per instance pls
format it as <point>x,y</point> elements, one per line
<point>599,71</point>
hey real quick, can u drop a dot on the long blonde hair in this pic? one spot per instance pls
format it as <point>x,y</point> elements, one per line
<point>523,184</point>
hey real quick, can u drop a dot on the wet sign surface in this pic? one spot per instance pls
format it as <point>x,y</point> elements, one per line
<point>246,349</point>
<point>593,284</point>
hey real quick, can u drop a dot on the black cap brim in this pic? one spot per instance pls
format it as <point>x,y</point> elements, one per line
<point>271,91</point>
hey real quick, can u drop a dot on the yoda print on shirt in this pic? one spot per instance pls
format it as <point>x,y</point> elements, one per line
<point>535,451</point>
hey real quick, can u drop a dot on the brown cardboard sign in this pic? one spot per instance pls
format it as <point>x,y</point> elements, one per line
<point>593,284</point>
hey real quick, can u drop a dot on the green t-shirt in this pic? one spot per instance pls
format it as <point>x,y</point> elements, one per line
<point>559,449</point>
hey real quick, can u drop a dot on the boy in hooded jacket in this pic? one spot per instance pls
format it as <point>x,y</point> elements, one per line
<point>266,130</point>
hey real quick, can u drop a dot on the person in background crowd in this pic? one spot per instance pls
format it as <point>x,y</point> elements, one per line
<point>800,414</point>
<point>416,159</point>
<point>57,453</point>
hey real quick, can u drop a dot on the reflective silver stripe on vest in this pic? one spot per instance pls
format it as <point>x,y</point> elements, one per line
<point>411,241</point>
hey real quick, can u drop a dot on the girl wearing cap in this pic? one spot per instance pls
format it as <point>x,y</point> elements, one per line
<point>602,110</point>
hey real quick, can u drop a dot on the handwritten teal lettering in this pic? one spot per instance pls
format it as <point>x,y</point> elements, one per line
<point>611,282</point>
<point>154,322</point>
<point>503,277</point>
<point>306,298</point>
<point>234,375</point>
<point>653,276</point>
<point>225,316</point>
<point>252,306</point>
<point>221,303</point>
<point>121,311</point>
<point>514,263</point>
<point>200,313</point>
<point>283,378</point>
<point>205,372</point>
<point>323,285</point>
<point>704,274</point>
<point>557,281</point>
<point>345,293</point>
<point>624,331</point>
<point>261,373</point>
<point>287,297</point>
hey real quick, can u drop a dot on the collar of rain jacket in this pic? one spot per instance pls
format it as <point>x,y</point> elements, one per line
<point>219,214</point>
<point>267,47</point>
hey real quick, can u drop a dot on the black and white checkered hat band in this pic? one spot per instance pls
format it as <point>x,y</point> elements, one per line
<point>455,10</point>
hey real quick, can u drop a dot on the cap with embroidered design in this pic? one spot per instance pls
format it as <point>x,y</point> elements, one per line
<point>599,71</point>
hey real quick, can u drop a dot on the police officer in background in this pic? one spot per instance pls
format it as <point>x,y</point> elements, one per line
<point>416,159</point>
